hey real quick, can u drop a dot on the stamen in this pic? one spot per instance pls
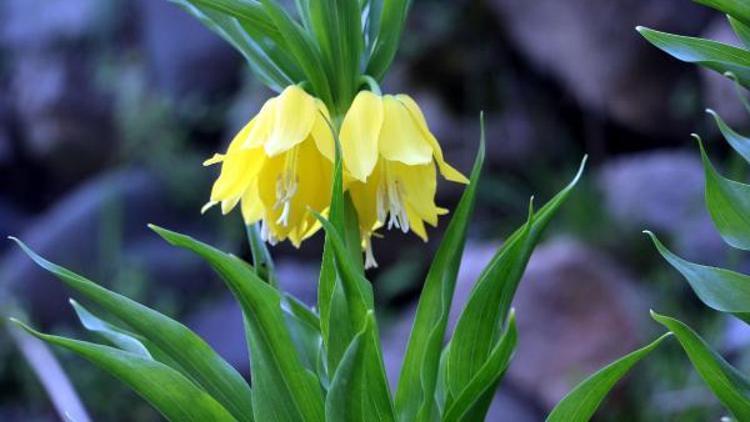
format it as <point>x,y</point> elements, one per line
<point>389,203</point>
<point>208,206</point>
<point>286,187</point>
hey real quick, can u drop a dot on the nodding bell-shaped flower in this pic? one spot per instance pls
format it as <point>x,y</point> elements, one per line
<point>390,155</point>
<point>278,167</point>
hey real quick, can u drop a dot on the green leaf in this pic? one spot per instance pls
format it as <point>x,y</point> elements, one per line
<point>303,48</point>
<point>419,369</point>
<point>337,327</point>
<point>171,393</point>
<point>718,288</point>
<point>337,25</point>
<point>728,202</point>
<point>742,30</point>
<point>248,11</point>
<point>359,390</point>
<point>372,11</point>
<point>263,35</point>
<point>266,69</point>
<point>283,389</point>
<point>304,327</point>
<point>391,25</point>
<point>262,261</point>
<point>728,384</point>
<point>738,142</point>
<point>478,326</point>
<point>117,336</point>
<point>738,9</point>
<point>580,404</point>
<point>472,403</point>
<point>357,289</point>
<point>710,54</point>
<point>200,362</point>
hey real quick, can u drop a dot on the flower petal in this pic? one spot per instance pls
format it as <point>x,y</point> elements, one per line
<point>259,128</point>
<point>252,206</point>
<point>401,139</point>
<point>294,116</point>
<point>446,169</point>
<point>239,167</point>
<point>364,197</point>
<point>322,132</point>
<point>418,186</point>
<point>359,134</point>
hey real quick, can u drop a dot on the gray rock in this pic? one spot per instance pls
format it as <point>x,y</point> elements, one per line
<point>96,231</point>
<point>62,117</point>
<point>736,336</point>
<point>570,303</point>
<point>184,57</point>
<point>593,50</point>
<point>663,191</point>
<point>299,279</point>
<point>44,23</point>
<point>577,311</point>
<point>720,92</point>
<point>220,324</point>
<point>507,405</point>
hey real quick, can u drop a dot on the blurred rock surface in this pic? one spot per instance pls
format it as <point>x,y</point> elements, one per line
<point>185,58</point>
<point>119,203</point>
<point>570,303</point>
<point>593,50</point>
<point>662,191</point>
<point>63,116</point>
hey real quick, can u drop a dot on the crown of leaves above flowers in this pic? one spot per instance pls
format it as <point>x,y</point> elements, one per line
<point>331,46</point>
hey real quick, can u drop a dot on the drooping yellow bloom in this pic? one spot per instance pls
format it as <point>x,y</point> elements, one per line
<point>390,154</point>
<point>279,166</point>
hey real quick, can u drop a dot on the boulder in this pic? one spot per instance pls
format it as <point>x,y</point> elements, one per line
<point>185,58</point>
<point>99,230</point>
<point>592,49</point>
<point>662,191</point>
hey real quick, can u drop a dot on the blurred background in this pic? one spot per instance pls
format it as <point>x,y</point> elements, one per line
<point>107,109</point>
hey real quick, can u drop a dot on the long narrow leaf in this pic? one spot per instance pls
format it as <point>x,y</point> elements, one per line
<point>171,393</point>
<point>230,29</point>
<point>738,9</point>
<point>118,337</point>
<point>337,326</point>
<point>283,389</point>
<point>302,47</point>
<point>580,404</point>
<point>262,261</point>
<point>471,403</point>
<point>728,202</point>
<point>729,385</point>
<point>720,289</point>
<point>201,363</point>
<point>359,390</point>
<point>742,30</point>
<point>419,369</point>
<point>477,328</point>
<point>711,54</point>
<point>739,143</point>
<point>338,28</point>
<point>391,26</point>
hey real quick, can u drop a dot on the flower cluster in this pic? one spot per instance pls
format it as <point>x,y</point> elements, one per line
<point>280,165</point>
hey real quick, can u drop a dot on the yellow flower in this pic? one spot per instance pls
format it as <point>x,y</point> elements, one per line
<point>279,165</point>
<point>390,155</point>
